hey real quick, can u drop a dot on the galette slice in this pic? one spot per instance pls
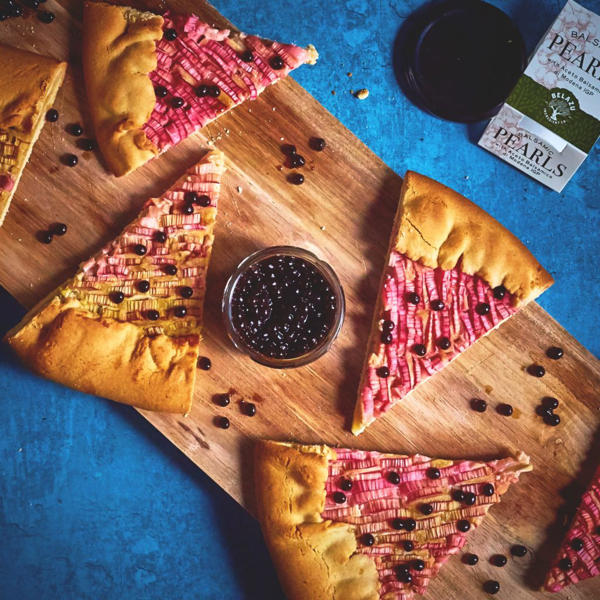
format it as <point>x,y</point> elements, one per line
<point>127,325</point>
<point>358,525</point>
<point>452,274</point>
<point>154,80</point>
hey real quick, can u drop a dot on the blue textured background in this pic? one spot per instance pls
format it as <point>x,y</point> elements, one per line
<point>94,503</point>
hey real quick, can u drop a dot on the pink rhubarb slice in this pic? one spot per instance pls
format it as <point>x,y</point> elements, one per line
<point>579,556</point>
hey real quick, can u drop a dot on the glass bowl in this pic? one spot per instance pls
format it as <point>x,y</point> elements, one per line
<point>336,321</point>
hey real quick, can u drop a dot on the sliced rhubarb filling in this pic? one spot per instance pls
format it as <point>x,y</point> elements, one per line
<point>579,557</point>
<point>405,512</point>
<point>210,71</point>
<point>436,315</point>
<point>157,266</point>
<point>11,151</point>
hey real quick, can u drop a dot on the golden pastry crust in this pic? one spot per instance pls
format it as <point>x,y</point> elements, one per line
<point>315,559</point>
<point>438,227</point>
<point>108,358</point>
<point>119,45</point>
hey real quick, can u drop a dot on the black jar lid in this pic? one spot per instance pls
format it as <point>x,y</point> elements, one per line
<point>459,59</point>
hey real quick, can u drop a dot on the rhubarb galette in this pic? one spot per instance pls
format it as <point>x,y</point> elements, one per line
<point>153,80</point>
<point>127,325</point>
<point>28,86</point>
<point>579,556</point>
<point>452,274</point>
<point>353,525</point>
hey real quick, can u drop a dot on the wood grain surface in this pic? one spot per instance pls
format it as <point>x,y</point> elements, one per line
<point>343,212</point>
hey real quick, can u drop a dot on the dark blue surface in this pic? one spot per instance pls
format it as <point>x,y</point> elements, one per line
<point>94,503</point>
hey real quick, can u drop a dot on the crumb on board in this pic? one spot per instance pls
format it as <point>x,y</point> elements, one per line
<point>281,139</point>
<point>239,189</point>
<point>333,92</point>
<point>274,108</point>
<point>322,227</point>
<point>349,73</point>
<point>362,94</point>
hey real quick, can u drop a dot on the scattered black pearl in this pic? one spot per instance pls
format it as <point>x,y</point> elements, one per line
<point>419,349</point>
<point>410,524</point>
<point>470,498</point>
<point>426,509</point>
<point>463,525</point>
<point>170,269</point>
<point>160,237</point>
<point>35,4</point>
<point>388,325</point>
<point>383,372</point>
<point>565,564</point>
<point>70,160</point>
<point>187,209</point>
<point>367,539</point>
<point>408,545</point>
<point>140,249</point>
<point>223,400</point>
<point>180,311</point>
<point>214,91</point>
<point>504,409</point>
<point>398,524</point>
<point>296,178</point>
<point>413,298</point>
<point>549,402</point>
<point>15,10</point>
<point>45,237</point>
<point>52,115</point>
<point>190,197</point>
<point>491,587</point>
<point>542,411</point>
<point>386,337</point>
<point>487,489</point>
<point>536,370</point>
<point>470,559</point>
<point>417,564</point>
<point>276,62</point>
<point>483,308</point>
<point>552,420</point>
<point>518,550</point>
<point>4,15</point>
<point>346,484</point>
<point>458,495</point>
<point>499,292</point>
<point>143,286</point>
<point>153,315</point>
<point>86,144</point>
<point>177,102</point>
<point>433,473</point>
<point>479,405</point>
<point>437,304</point>
<point>443,343</point>
<point>297,161</point>
<point>403,574</point>
<point>576,544</point>
<point>46,16</point>
<point>554,352</point>
<point>339,497</point>
<point>222,422</point>
<point>201,91</point>
<point>317,143</point>
<point>117,297</point>
<point>170,34</point>
<point>288,149</point>
<point>597,530</point>
<point>204,363</point>
<point>393,477</point>
<point>59,229</point>
<point>248,408</point>
<point>75,129</point>
<point>498,560</point>
<point>203,200</point>
<point>247,56</point>
<point>186,291</point>
<point>160,91</point>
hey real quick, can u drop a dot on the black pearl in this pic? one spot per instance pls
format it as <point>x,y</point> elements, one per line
<point>46,16</point>
<point>576,544</point>
<point>498,560</point>
<point>203,200</point>
<point>499,292</point>
<point>214,91</point>
<point>463,525</point>
<point>153,315</point>
<point>276,62</point>
<point>491,587</point>
<point>160,91</point>
<point>187,209</point>
<point>433,473</point>
<point>437,305</point>
<point>408,545</point>
<point>346,484</point>
<point>426,509</point>
<point>204,363</point>
<point>565,564</point>
<point>383,372</point>
<point>140,249</point>
<point>386,337</point>
<point>597,530</point>
<point>393,477</point>
<point>160,237</point>
<point>177,102</point>
<point>413,298</point>
<point>190,197</point>
<point>296,178</point>
<point>536,370</point>
<point>518,550</point>
<point>554,352</point>
<point>402,574</point>
<point>45,237</point>
<point>410,524</point>
<point>542,411</point>
<point>223,400</point>
<point>470,559</point>
<point>86,144</point>
<point>317,143</point>
<point>15,10</point>
<point>170,269</point>
<point>443,343</point>
<point>487,489</point>
<point>388,325</point>
<point>170,34</point>
<point>52,115</point>
<point>247,56</point>
<point>398,524</point>
<point>504,409</point>
<point>552,420</point>
<point>75,129</point>
<point>59,229</point>
<point>248,408</point>
<point>297,161</point>
<point>367,539</point>
<point>479,405</point>
<point>417,564</point>
<point>549,402</point>
<point>222,422</point>
<point>419,349</point>
<point>70,160</point>
<point>201,91</point>
<point>458,495</point>
<point>117,297</point>
<point>180,311</point>
<point>186,291</point>
<point>483,308</point>
<point>470,498</point>
<point>143,286</point>
<point>339,497</point>
<point>288,149</point>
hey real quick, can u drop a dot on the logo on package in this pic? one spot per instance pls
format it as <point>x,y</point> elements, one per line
<point>560,106</point>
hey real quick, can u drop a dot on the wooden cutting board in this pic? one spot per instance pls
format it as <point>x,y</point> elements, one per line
<point>343,212</point>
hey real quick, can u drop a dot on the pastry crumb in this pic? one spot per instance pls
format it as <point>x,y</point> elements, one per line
<point>349,73</point>
<point>333,92</point>
<point>239,189</point>
<point>362,94</point>
<point>281,139</point>
<point>322,227</point>
<point>274,108</point>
